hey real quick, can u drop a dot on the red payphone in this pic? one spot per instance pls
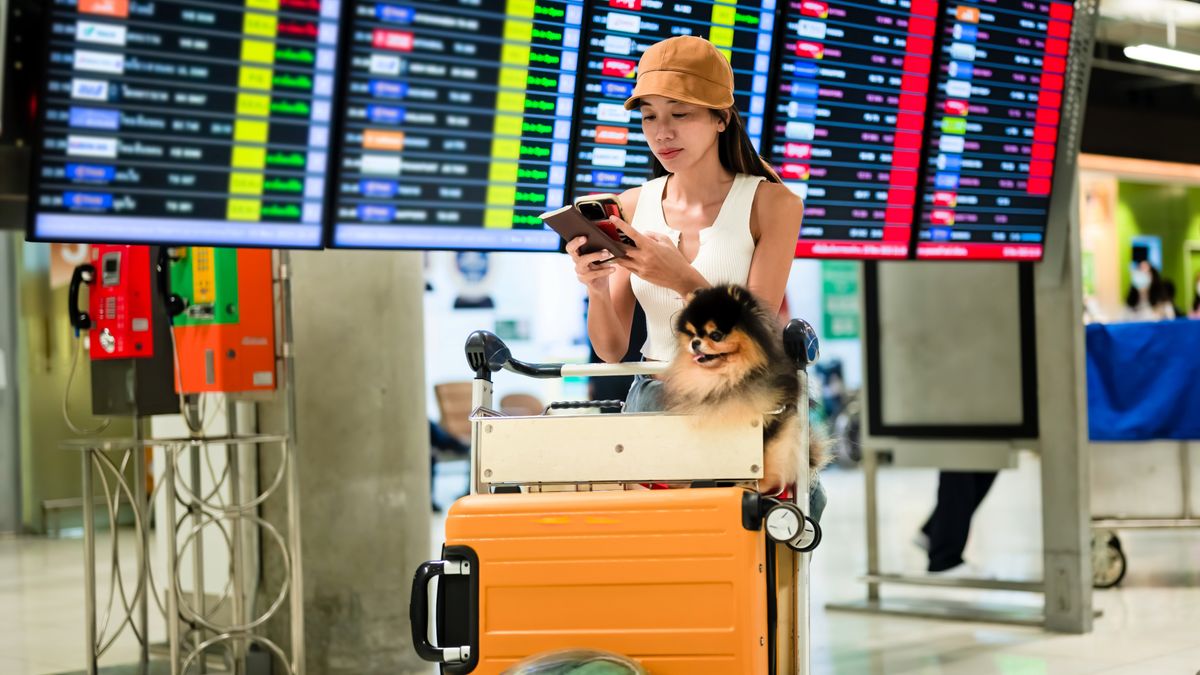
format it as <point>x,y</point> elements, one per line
<point>120,312</point>
<point>129,335</point>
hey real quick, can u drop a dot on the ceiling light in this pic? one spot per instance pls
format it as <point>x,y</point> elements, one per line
<point>1163,56</point>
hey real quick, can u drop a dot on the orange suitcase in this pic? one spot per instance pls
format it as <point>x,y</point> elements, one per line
<point>676,579</point>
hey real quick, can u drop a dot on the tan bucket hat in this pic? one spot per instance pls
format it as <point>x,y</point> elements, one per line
<point>685,68</point>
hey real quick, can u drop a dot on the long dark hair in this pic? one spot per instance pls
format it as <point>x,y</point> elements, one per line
<point>734,148</point>
<point>1155,295</point>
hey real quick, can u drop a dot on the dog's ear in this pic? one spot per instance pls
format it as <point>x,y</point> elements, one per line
<point>690,296</point>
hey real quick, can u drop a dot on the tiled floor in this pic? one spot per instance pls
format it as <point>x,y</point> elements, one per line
<point>1151,626</point>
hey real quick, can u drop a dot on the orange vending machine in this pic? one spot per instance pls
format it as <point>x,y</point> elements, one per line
<point>223,309</point>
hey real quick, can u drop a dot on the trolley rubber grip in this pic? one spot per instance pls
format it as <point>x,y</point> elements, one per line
<point>538,370</point>
<point>418,610</point>
<point>563,405</point>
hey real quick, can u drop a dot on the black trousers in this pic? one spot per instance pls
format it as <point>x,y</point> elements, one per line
<point>959,494</point>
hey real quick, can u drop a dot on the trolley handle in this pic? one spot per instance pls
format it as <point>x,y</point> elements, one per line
<point>487,354</point>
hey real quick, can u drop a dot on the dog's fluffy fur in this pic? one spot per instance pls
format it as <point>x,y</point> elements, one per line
<point>731,368</point>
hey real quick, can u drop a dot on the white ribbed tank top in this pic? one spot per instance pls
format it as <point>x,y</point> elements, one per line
<point>726,249</point>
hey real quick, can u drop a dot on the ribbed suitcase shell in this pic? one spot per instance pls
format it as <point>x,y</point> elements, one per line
<point>669,577</point>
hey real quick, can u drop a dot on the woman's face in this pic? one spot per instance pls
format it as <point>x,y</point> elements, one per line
<point>679,134</point>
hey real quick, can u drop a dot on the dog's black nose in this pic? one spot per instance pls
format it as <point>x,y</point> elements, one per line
<point>696,343</point>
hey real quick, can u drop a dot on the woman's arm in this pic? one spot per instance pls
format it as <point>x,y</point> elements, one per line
<point>775,217</point>
<point>610,310</point>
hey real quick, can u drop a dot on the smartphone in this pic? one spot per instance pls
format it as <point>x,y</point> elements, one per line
<point>569,222</point>
<point>598,208</point>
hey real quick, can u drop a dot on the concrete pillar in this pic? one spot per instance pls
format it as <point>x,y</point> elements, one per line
<point>363,448</point>
<point>1062,401</point>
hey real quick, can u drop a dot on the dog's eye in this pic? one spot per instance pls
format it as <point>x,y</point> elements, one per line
<point>716,336</point>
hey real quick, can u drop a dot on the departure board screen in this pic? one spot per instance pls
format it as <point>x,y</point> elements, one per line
<point>458,123</point>
<point>612,152</point>
<point>993,130</point>
<point>191,122</point>
<point>849,114</point>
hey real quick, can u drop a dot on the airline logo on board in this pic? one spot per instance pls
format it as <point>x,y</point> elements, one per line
<point>609,157</point>
<point>117,8</point>
<point>91,146</point>
<point>618,68</point>
<point>89,90</point>
<point>100,33</point>
<point>612,135</point>
<point>100,62</point>
<point>625,23</point>
<point>95,118</point>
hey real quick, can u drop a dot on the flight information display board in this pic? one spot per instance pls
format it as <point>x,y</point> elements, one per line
<point>458,123</point>
<point>849,119</point>
<point>612,152</point>
<point>190,122</point>
<point>993,130</point>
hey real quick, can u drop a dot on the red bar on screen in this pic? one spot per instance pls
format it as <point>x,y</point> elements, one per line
<point>1043,151</point>
<point>909,121</point>
<point>1047,116</point>
<point>920,46</point>
<point>1045,135</point>
<point>905,160</point>
<point>912,102</point>
<point>1054,64</point>
<point>914,63</point>
<point>900,197</point>
<point>1038,186</point>
<point>898,215</point>
<point>1059,29</point>
<point>1061,11</point>
<point>853,249</point>
<point>921,26</point>
<point>914,84</point>
<point>903,178</point>
<point>923,8</point>
<point>1052,82</point>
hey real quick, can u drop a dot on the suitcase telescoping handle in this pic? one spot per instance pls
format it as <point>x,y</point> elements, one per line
<point>418,611</point>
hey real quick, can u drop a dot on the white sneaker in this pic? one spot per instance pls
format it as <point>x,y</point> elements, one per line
<point>921,541</point>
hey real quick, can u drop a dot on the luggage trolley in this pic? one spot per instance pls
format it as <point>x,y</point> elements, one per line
<point>560,546</point>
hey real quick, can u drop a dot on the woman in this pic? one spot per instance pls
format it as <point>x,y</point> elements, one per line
<point>714,213</point>
<point>1147,299</point>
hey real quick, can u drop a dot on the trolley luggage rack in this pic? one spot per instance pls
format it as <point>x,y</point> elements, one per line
<point>513,454</point>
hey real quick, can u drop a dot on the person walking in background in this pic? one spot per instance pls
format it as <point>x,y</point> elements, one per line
<point>944,534</point>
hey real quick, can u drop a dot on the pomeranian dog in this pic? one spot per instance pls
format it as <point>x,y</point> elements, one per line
<point>731,367</point>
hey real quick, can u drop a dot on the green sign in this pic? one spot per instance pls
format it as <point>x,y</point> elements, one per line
<point>839,299</point>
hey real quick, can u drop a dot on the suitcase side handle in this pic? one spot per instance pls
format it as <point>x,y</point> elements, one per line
<point>419,615</point>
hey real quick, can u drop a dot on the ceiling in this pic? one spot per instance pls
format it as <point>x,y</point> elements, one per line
<point>1138,109</point>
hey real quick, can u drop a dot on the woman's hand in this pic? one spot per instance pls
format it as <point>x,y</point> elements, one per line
<point>658,260</point>
<point>587,268</point>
